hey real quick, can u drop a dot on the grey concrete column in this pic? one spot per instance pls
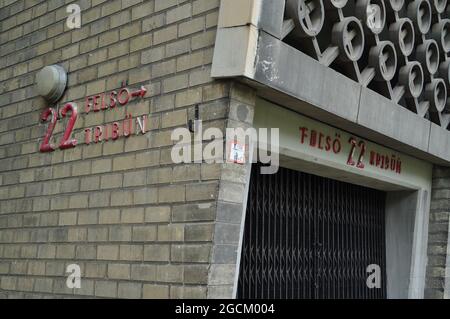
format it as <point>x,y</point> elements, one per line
<point>231,204</point>
<point>438,284</point>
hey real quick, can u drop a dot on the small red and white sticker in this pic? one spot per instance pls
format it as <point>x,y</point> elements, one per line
<point>237,153</point>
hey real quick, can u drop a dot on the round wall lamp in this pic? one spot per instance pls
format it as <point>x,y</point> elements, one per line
<point>51,82</point>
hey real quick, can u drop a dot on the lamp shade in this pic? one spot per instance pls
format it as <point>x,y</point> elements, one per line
<point>51,82</point>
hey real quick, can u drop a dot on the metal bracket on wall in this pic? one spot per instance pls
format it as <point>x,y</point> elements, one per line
<point>192,124</point>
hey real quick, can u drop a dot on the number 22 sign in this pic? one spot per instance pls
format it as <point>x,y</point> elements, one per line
<point>51,115</point>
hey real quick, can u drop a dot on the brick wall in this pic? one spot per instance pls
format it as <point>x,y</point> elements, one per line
<point>439,235</point>
<point>138,225</point>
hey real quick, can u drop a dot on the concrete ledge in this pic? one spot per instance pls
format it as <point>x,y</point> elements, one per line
<point>383,116</point>
<point>279,66</point>
<point>288,77</point>
<point>439,144</point>
<point>235,52</point>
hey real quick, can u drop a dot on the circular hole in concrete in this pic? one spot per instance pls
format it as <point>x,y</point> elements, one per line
<point>440,5</point>
<point>415,79</point>
<point>424,15</point>
<point>444,72</point>
<point>397,5</point>
<point>446,35</point>
<point>406,37</point>
<point>436,94</point>
<point>389,56</point>
<point>375,15</point>
<point>353,40</point>
<point>312,16</point>
<point>339,3</point>
<point>432,56</point>
<point>440,95</point>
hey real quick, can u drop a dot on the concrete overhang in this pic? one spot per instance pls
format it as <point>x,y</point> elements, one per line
<point>248,48</point>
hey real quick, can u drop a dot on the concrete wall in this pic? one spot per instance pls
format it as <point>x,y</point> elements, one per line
<point>407,214</point>
<point>400,215</point>
<point>138,225</point>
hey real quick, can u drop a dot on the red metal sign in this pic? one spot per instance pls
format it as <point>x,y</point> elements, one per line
<point>95,103</point>
<point>357,153</point>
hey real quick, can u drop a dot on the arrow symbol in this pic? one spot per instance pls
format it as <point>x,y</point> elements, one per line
<point>140,92</point>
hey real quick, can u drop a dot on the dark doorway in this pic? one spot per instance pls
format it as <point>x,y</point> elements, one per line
<point>311,237</point>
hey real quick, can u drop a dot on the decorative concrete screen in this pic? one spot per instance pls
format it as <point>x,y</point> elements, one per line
<point>397,48</point>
